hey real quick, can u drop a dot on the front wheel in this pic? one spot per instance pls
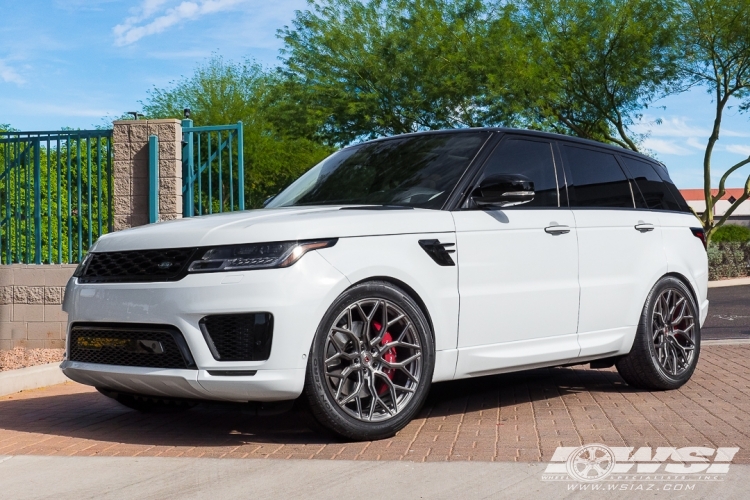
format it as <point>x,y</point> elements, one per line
<point>371,363</point>
<point>667,344</point>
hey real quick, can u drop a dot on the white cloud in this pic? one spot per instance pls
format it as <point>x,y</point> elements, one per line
<point>10,75</point>
<point>696,143</point>
<point>677,126</point>
<point>152,17</point>
<point>740,149</point>
<point>667,147</point>
<point>36,108</point>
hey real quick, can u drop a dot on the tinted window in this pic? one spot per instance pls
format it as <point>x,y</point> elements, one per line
<point>419,171</point>
<point>532,159</point>
<point>652,193</point>
<point>678,202</point>
<point>597,179</point>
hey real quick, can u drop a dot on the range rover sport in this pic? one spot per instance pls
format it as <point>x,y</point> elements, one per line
<point>396,263</point>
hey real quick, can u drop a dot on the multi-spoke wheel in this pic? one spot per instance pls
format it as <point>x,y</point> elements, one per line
<point>371,362</point>
<point>673,328</point>
<point>667,344</point>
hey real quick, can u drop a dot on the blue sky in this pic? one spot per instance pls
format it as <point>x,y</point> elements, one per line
<point>76,63</point>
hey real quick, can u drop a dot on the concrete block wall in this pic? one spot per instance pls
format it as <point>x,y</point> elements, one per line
<point>31,312</point>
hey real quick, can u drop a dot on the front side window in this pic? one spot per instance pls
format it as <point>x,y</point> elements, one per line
<point>532,159</point>
<point>416,171</point>
<point>597,179</point>
<point>652,192</point>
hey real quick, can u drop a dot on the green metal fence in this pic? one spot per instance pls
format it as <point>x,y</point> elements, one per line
<point>55,194</point>
<point>213,169</point>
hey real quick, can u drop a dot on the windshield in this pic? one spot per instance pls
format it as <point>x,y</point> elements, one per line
<point>415,171</point>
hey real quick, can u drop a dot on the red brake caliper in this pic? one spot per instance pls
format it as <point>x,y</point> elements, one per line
<point>389,356</point>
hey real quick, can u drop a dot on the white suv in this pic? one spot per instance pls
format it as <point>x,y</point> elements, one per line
<point>397,263</point>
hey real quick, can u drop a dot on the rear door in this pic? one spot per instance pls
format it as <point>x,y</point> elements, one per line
<point>621,253</point>
<point>518,269</point>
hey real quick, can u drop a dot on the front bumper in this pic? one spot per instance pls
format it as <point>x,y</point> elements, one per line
<point>298,298</point>
<point>265,385</point>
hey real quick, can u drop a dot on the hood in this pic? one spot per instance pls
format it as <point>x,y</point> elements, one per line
<point>280,224</point>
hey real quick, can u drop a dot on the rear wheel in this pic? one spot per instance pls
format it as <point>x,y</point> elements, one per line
<point>371,363</point>
<point>149,404</point>
<point>667,344</point>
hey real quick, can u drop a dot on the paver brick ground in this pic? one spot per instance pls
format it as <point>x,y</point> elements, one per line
<point>515,417</point>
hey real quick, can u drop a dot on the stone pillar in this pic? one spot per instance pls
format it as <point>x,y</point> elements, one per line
<point>130,182</point>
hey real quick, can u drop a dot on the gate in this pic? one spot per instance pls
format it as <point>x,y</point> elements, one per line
<point>54,194</point>
<point>213,169</point>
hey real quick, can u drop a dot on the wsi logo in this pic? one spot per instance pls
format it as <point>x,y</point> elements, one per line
<point>597,462</point>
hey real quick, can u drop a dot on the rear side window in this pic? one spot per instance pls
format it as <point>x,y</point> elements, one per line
<point>530,158</point>
<point>652,192</point>
<point>678,202</point>
<point>597,179</point>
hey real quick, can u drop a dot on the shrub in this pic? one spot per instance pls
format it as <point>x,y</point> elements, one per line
<point>730,232</point>
<point>728,260</point>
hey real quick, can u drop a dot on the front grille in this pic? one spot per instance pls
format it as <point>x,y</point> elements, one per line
<point>169,264</point>
<point>239,337</point>
<point>151,346</point>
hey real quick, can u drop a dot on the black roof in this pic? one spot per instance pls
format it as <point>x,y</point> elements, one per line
<point>534,133</point>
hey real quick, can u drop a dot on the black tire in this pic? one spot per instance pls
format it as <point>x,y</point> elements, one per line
<point>318,389</point>
<point>149,404</point>
<point>641,367</point>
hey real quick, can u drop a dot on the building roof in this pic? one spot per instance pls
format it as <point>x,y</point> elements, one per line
<point>697,194</point>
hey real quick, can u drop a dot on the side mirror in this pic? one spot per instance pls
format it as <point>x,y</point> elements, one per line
<point>503,191</point>
<point>268,200</point>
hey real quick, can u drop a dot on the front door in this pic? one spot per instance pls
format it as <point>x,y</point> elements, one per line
<point>518,269</point>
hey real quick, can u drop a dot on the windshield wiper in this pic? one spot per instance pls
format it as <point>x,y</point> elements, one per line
<point>378,207</point>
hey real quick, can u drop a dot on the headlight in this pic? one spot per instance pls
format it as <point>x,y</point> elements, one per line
<point>255,255</point>
<point>82,266</point>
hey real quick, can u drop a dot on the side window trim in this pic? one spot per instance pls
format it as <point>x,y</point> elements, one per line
<point>631,182</point>
<point>631,179</point>
<point>562,170</point>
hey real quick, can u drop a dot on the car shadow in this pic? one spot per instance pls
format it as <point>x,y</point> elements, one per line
<point>92,416</point>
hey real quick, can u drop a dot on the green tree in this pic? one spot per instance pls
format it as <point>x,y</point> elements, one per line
<point>383,67</point>
<point>716,37</point>
<point>221,92</point>
<point>582,67</point>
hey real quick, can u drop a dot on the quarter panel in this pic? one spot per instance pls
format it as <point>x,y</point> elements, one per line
<point>686,255</point>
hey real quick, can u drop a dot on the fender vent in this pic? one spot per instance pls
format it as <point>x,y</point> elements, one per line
<point>438,251</point>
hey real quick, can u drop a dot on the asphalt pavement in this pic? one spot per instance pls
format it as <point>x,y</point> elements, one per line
<point>728,313</point>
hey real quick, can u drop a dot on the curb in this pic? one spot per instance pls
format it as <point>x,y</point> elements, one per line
<point>725,342</point>
<point>729,282</point>
<point>33,377</point>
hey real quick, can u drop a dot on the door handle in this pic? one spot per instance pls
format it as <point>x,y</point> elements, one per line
<point>557,229</point>
<point>644,227</point>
